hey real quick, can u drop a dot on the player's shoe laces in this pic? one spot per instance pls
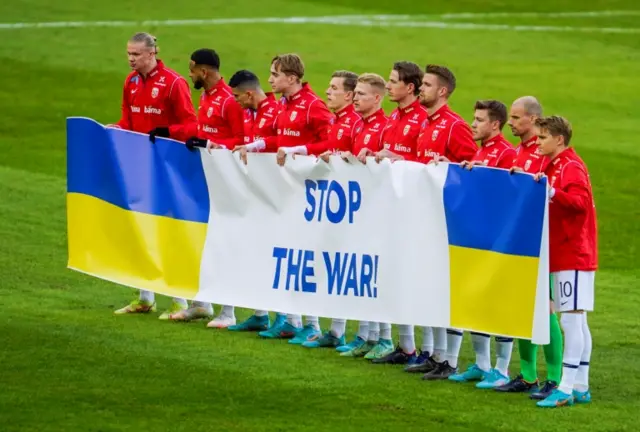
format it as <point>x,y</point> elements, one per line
<point>193,313</point>
<point>493,379</point>
<point>137,306</point>
<point>582,397</point>
<point>424,363</point>
<point>327,340</point>
<point>357,342</point>
<point>174,308</point>
<point>308,332</point>
<point>253,323</point>
<point>280,330</point>
<point>556,399</point>
<point>222,321</point>
<point>518,385</point>
<point>383,348</point>
<point>398,356</point>
<point>443,371</point>
<point>473,373</point>
<point>547,388</point>
<point>359,351</point>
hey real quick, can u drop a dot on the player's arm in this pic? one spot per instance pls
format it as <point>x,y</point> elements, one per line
<point>319,121</point>
<point>507,159</point>
<point>461,146</point>
<point>234,115</point>
<point>182,105</point>
<point>573,193</point>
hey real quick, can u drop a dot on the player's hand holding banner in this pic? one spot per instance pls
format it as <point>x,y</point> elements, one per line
<point>406,243</point>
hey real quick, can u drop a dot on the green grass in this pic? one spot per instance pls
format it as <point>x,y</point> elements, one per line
<point>69,364</point>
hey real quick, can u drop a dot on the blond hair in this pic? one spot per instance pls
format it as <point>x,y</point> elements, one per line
<point>374,80</point>
<point>289,64</point>
<point>556,126</point>
<point>147,39</point>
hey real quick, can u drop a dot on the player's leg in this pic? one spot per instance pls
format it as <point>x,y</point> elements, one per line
<point>450,365</point>
<point>330,339</point>
<point>197,311</point>
<point>574,294</point>
<point>226,318</point>
<point>258,321</point>
<point>145,303</point>
<point>360,341</point>
<point>499,375</point>
<point>553,358</point>
<point>434,340</point>
<point>384,346</point>
<point>581,391</point>
<point>480,369</point>
<point>405,352</point>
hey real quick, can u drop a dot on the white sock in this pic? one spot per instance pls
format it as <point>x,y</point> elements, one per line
<point>482,347</point>
<point>260,313</point>
<point>407,340</point>
<point>385,331</point>
<point>313,320</point>
<point>582,377</point>
<point>205,305</point>
<point>427,340</point>
<point>573,347</point>
<point>374,331</point>
<point>338,326</point>
<point>147,296</point>
<point>363,330</point>
<point>440,345</point>
<point>454,340</point>
<point>228,311</point>
<point>504,346</point>
<point>294,320</point>
<point>182,302</point>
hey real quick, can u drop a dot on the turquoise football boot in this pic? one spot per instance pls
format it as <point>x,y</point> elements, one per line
<point>473,373</point>
<point>327,340</point>
<point>253,323</point>
<point>308,332</point>
<point>492,380</point>
<point>557,399</point>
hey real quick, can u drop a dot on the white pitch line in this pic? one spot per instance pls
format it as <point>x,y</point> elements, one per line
<point>428,21</point>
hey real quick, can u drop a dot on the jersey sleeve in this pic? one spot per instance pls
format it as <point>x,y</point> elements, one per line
<point>320,120</point>
<point>574,193</point>
<point>185,115</point>
<point>461,145</point>
<point>234,115</point>
<point>125,117</point>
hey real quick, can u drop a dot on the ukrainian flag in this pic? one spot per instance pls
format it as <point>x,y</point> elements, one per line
<point>137,212</point>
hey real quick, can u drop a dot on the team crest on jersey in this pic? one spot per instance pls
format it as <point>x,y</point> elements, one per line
<point>406,130</point>
<point>154,92</point>
<point>293,116</point>
<point>210,112</point>
<point>340,132</point>
<point>434,135</point>
<point>527,165</point>
<point>367,137</point>
<point>262,122</point>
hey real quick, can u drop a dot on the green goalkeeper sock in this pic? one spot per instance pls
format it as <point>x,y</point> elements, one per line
<point>528,355</point>
<point>553,351</point>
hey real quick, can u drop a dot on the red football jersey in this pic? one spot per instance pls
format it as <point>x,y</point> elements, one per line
<point>572,215</point>
<point>528,158</point>
<point>401,133</point>
<point>446,134</point>
<point>261,123</point>
<point>341,132</point>
<point>303,119</point>
<point>496,152</point>
<point>162,99</point>
<point>368,133</point>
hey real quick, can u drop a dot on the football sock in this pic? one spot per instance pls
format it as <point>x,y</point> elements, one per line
<point>313,320</point>
<point>294,320</point>
<point>440,345</point>
<point>454,340</point>
<point>385,331</point>
<point>147,296</point>
<point>582,377</point>
<point>427,340</point>
<point>407,340</point>
<point>504,346</point>
<point>528,357</point>
<point>573,348</point>
<point>482,347</point>
<point>182,302</point>
<point>228,311</point>
<point>261,313</point>
<point>553,351</point>
<point>338,326</point>
<point>374,331</point>
<point>363,330</point>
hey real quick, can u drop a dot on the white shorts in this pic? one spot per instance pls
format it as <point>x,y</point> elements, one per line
<point>573,290</point>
